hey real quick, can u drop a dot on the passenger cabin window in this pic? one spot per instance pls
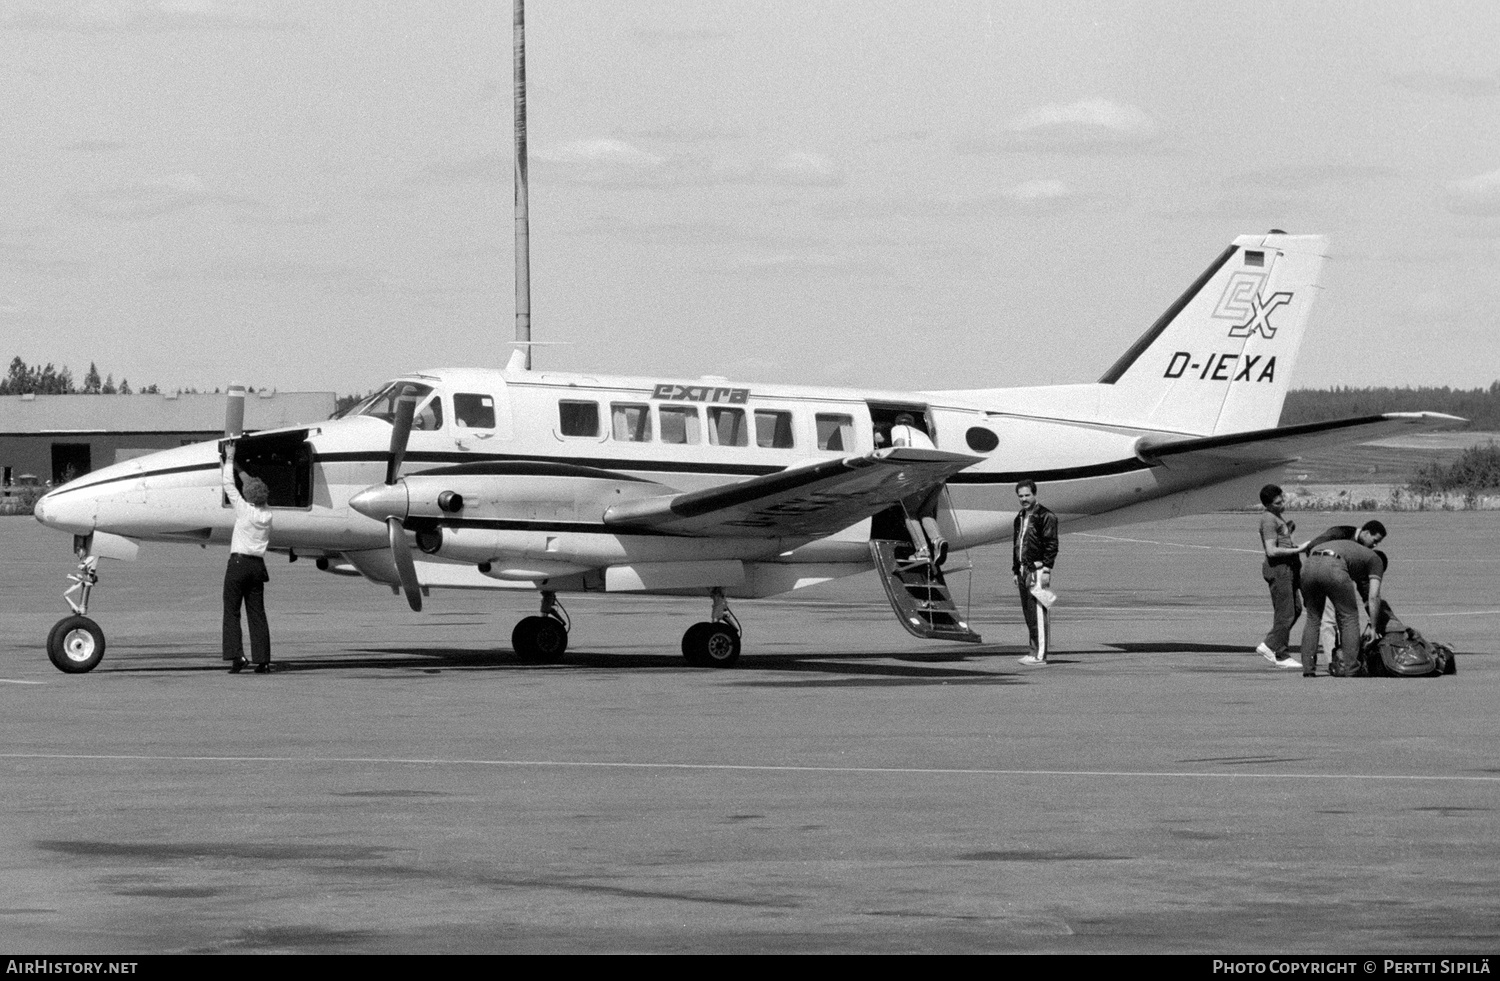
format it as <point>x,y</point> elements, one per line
<point>835,432</point>
<point>773,428</point>
<point>726,427</point>
<point>680,424</point>
<point>473,411</point>
<point>630,422</point>
<point>578,418</point>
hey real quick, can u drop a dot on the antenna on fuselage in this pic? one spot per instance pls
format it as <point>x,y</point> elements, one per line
<point>523,221</point>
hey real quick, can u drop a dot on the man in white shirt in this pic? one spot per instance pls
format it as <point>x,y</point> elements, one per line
<point>921,509</point>
<point>245,578</point>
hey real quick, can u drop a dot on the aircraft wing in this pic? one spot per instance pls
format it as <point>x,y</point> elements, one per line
<point>808,501</point>
<point>1287,443</point>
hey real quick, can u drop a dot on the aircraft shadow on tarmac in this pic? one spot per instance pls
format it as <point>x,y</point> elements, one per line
<point>841,668</point>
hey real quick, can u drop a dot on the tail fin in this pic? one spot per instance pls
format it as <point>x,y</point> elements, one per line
<point>1221,357</point>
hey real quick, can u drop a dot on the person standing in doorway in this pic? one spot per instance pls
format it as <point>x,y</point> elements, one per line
<point>1033,552</point>
<point>245,578</point>
<point>921,509</point>
<point>1281,570</point>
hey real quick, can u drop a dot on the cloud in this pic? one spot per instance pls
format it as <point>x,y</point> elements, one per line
<point>139,16</point>
<point>603,153</point>
<point>146,199</point>
<point>1477,196</point>
<point>1443,83</point>
<point>802,169</point>
<point>1315,192</point>
<point>487,168</point>
<point>606,161</point>
<point>1089,126</point>
<point>677,131</point>
<point>260,215</point>
<point>786,264</point>
<point>94,147</point>
<point>1034,197</point>
<point>620,163</point>
<point>651,39</point>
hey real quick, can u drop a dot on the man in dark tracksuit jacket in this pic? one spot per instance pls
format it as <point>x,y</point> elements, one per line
<point>1033,552</point>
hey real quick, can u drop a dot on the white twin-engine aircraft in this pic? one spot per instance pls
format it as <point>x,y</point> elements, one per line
<point>564,483</point>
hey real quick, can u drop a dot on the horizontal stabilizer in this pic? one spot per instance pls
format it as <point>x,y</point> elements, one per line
<point>1286,443</point>
<point>812,500</point>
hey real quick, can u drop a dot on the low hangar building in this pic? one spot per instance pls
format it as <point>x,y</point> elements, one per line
<point>56,438</point>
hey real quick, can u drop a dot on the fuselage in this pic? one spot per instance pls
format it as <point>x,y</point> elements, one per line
<point>562,448</point>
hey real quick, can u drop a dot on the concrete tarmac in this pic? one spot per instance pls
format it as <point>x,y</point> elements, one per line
<point>404,785</point>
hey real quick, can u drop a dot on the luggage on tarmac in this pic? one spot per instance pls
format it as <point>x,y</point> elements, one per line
<point>1402,652</point>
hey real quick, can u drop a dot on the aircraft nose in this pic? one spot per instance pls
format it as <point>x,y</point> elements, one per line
<point>381,501</point>
<point>68,512</point>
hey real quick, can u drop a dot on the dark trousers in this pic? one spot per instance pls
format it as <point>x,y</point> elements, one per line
<point>1041,643</point>
<point>1285,604</point>
<point>245,581</point>
<point>1326,580</point>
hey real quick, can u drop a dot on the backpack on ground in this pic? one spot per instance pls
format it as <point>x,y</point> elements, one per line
<point>1404,653</point>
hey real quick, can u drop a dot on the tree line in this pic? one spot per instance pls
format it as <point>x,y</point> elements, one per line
<point>1481,406</point>
<point>48,379</point>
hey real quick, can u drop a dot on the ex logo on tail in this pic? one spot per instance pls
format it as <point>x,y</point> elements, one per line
<point>1243,303</point>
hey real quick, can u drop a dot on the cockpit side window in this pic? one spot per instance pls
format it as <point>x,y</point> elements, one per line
<point>473,411</point>
<point>429,416</point>
<point>382,405</point>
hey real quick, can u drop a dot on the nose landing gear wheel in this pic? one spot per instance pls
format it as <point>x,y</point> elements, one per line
<point>75,645</point>
<point>539,640</point>
<point>711,645</point>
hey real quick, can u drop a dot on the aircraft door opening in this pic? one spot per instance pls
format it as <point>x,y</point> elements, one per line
<point>284,461</point>
<point>883,416</point>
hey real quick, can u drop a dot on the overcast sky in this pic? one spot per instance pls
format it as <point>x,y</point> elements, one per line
<point>315,194</point>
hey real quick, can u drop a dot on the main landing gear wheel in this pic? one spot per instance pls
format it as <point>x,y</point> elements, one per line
<point>711,645</point>
<point>539,640</point>
<point>75,645</point>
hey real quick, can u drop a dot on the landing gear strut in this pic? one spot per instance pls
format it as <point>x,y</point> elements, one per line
<point>714,643</point>
<point>76,644</point>
<point>543,639</point>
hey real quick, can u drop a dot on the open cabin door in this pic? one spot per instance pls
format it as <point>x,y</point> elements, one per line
<point>282,459</point>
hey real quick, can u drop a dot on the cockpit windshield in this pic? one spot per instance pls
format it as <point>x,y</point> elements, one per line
<point>382,405</point>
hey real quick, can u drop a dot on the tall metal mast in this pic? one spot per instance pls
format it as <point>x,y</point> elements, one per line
<point>523,222</point>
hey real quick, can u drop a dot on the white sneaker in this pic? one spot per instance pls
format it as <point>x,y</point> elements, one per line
<point>1265,652</point>
<point>1287,662</point>
<point>1032,660</point>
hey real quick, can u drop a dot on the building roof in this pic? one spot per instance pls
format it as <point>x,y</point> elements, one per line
<point>195,413</point>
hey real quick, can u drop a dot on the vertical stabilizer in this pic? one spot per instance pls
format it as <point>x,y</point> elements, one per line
<point>1221,357</point>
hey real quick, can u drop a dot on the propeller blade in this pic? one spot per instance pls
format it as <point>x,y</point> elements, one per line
<point>406,409</point>
<point>234,410</point>
<point>405,567</point>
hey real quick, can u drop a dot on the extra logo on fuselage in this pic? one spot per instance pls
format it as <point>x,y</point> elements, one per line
<point>700,393</point>
<point>1242,302</point>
